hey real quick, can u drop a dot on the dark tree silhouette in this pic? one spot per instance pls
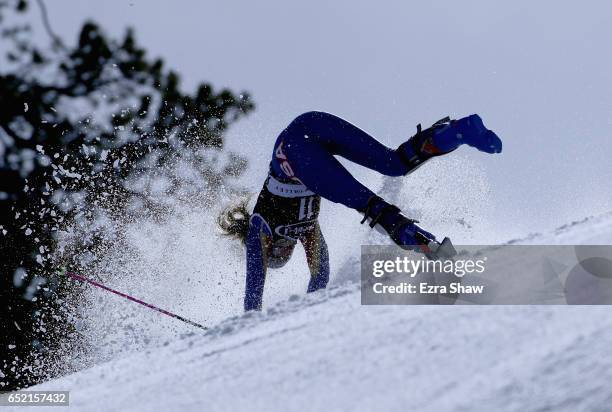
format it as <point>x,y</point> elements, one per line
<point>73,118</point>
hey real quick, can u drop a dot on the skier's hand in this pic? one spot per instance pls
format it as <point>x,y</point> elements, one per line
<point>474,133</point>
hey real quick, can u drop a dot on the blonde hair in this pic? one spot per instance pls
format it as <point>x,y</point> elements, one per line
<point>234,220</point>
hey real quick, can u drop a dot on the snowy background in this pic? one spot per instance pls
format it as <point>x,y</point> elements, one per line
<point>537,72</point>
<point>539,76</point>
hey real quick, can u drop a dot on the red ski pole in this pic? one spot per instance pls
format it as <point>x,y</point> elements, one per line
<point>128,297</point>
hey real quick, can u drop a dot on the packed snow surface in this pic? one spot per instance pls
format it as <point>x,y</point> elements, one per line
<point>327,352</point>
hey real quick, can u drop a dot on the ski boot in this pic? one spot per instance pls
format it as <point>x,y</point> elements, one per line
<point>404,231</point>
<point>446,135</point>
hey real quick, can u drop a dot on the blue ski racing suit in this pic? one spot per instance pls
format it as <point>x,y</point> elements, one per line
<point>304,169</point>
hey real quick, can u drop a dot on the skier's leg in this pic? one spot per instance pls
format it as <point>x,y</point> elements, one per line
<point>445,136</point>
<point>312,139</point>
<point>322,173</point>
<point>339,137</point>
<point>256,263</point>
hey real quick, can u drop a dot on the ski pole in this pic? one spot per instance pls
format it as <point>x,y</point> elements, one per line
<point>128,297</point>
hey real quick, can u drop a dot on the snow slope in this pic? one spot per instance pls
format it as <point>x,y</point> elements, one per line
<point>327,352</point>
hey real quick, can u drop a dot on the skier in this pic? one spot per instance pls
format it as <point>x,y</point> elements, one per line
<point>303,169</point>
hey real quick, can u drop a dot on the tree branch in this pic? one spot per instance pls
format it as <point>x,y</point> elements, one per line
<point>57,41</point>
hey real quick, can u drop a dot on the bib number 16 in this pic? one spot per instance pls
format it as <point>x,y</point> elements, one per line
<point>306,208</point>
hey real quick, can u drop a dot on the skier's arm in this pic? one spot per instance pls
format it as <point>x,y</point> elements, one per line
<point>257,238</point>
<point>318,259</point>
